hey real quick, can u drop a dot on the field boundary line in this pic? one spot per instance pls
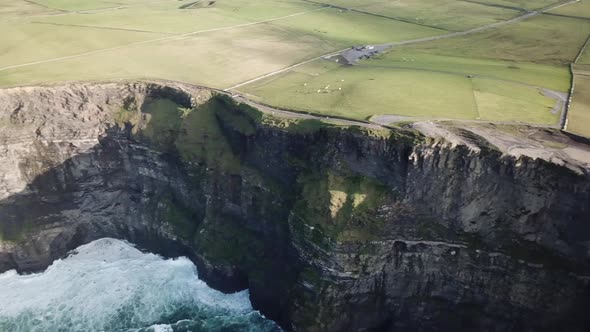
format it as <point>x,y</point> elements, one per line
<point>101,28</point>
<point>73,56</point>
<point>584,47</point>
<point>116,6</point>
<point>568,104</point>
<point>569,16</point>
<point>553,7</point>
<point>374,14</point>
<point>518,9</point>
<point>475,103</point>
<point>44,6</point>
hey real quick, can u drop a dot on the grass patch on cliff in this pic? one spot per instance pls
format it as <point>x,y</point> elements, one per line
<point>15,232</point>
<point>164,121</point>
<point>342,207</point>
<point>201,139</point>
<point>225,240</point>
<point>181,219</point>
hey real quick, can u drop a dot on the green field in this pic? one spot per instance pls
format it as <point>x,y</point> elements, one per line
<point>361,92</point>
<point>168,18</point>
<point>580,9</point>
<point>219,46</point>
<point>579,115</point>
<point>493,75</point>
<point>218,59</point>
<point>544,39</point>
<point>452,15</point>
<point>585,58</point>
<point>10,9</point>
<point>585,54</point>
<point>336,27</point>
<point>81,5</point>
<point>523,4</point>
<point>552,77</point>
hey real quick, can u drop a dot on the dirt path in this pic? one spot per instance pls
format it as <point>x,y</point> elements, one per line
<point>157,40</point>
<point>301,115</point>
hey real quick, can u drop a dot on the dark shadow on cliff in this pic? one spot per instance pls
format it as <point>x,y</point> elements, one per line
<point>237,199</point>
<point>168,185</point>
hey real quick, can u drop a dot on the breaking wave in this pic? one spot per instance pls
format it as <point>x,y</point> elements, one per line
<point>108,285</point>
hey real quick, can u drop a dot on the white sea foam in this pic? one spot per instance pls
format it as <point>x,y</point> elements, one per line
<point>110,285</point>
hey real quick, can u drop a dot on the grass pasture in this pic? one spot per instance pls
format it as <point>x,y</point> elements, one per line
<point>579,114</point>
<point>357,92</point>
<point>363,91</point>
<point>494,75</point>
<point>521,4</point>
<point>88,5</point>
<point>10,9</point>
<point>580,9</point>
<point>30,42</point>
<point>230,42</point>
<point>544,39</point>
<point>547,76</point>
<point>585,58</point>
<point>335,27</point>
<point>498,101</point>
<point>69,5</point>
<point>452,15</point>
<point>218,59</point>
<point>168,18</point>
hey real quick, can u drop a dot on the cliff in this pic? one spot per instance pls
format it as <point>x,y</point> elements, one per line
<point>332,227</point>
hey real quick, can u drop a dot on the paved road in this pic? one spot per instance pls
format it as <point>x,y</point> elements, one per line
<point>413,41</point>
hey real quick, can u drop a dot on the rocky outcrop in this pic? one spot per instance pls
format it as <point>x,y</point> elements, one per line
<point>331,228</point>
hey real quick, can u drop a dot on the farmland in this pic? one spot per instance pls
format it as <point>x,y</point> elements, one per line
<point>579,113</point>
<point>451,15</point>
<point>364,91</point>
<point>271,52</point>
<point>500,74</point>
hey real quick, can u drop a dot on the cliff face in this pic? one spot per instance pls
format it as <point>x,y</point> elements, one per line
<point>331,228</point>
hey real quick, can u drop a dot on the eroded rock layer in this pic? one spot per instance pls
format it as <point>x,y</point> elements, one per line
<point>332,228</point>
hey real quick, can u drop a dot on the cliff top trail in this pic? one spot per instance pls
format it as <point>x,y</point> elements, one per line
<point>490,61</point>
